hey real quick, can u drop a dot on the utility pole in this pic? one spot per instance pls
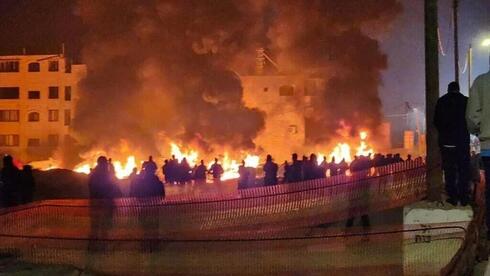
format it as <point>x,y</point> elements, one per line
<point>434,173</point>
<point>456,46</point>
<point>470,64</point>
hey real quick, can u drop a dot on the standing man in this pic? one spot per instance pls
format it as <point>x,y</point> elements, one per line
<point>10,179</point>
<point>454,143</point>
<point>270,170</point>
<point>216,170</point>
<point>200,173</point>
<point>478,116</point>
<point>296,169</point>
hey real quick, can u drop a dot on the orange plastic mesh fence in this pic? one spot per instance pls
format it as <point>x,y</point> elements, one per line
<point>297,204</point>
<point>259,230</point>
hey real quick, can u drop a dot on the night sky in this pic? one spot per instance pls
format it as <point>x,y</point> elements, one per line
<point>41,27</point>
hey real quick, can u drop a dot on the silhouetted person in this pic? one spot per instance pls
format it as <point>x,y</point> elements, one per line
<point>270,170</point>
<point>100,183</point>
<point>133,182</point>
<point>28,185</point>
<point>150,164</point>
<point>397,158</point>
<point>286,178</point>
<point>378,160</point>
<point>306,169</point>
<point>243,176</point>
<point>364,164</point>
<point>165,171</point>
<point>323,168</point>
<point>11,182</point>
<point>333,167</point>
<point>148,185</point>
<point>342,167</point>
<point>216,170</point>
<point>389,159</point>
<point>184,171</point>
<point>409,157</point>
<point>102,191</point>
<point>296,169</point>
<point>354,165</point>
<point>111,168</point>
<point>200,173</point>
<point>172,169</point>
<point>150,191</point>
<point>454,143</point>
<point>314,169</point>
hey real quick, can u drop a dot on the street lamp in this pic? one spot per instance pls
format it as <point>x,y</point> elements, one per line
<point>486,42</point>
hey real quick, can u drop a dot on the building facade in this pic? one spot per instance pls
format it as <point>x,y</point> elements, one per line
<point>285,100</point>
<point>37,100</point>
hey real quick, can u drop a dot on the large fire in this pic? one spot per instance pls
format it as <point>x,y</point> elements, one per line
<point>124,167</point>
<point>343,151</point>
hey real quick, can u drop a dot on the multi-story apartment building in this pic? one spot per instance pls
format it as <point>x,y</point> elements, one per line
<point>37,95</point>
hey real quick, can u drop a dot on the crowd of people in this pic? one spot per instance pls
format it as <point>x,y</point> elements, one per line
<point>147,184</point>
<point>17,186</point>
<point>310,168</point>
<point>181,172</point>
<point>102,181</point>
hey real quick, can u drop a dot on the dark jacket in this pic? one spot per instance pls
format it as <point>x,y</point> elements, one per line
<point>148,185</point>
<point>10,178</point>
<point>450,121</point>
<point>101,185</point>
<point>270,169</point>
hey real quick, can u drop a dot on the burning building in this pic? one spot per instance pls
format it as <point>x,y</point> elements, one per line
<point>188,77</point>
<point>285,100</point>
<point>37,102</point>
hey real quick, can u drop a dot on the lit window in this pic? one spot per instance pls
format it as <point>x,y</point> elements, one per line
<point>9,140</point>
<point>9,92</point>
<point>33,142</point>
<point>53,66</point>
<point>67,93</point>
<point>32,95</point>
<point>286,90</point>
<point>9,66</point>
<point>34,67</point>
<point>53,92</point>
<point>33,117</point>
<point>9,115</point>
<point>67,117</point>
<point>53,139</point>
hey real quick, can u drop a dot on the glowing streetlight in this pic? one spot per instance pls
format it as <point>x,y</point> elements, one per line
<point>486,42</point>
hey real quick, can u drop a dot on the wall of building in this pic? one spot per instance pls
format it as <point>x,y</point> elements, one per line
<point>284,100</point>
<point>37,139</point>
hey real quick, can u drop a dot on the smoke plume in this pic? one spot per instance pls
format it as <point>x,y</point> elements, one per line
<point>169,68</point>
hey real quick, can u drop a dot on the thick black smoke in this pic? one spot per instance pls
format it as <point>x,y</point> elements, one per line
<point>168,68</point>
<point>329,39</point>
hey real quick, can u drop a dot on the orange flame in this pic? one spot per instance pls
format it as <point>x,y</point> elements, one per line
<point>342,151</point>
